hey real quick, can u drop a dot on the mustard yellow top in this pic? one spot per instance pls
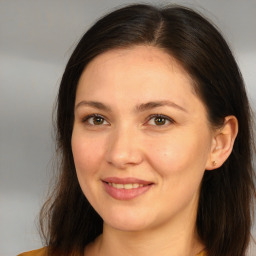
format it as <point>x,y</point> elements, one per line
<point>41,252</point>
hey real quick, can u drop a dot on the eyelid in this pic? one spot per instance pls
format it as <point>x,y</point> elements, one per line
<point>86,118</point>
<point>161,116</point>
<point>169,119</point>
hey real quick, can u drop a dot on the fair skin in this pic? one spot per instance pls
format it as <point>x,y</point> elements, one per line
<point>141,143</point>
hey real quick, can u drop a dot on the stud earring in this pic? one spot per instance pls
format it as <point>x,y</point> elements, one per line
<point>214,163</point>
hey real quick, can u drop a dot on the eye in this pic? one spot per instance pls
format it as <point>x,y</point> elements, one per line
<point>160,120</point>
<point>95,120</point>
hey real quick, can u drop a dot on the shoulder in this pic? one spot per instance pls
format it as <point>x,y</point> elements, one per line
<point>39,252</point>
<point>203,253</point>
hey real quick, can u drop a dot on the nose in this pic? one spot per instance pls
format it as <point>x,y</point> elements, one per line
<point>124,148</point>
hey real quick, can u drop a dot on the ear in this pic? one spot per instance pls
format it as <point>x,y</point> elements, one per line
<point>222,144</point>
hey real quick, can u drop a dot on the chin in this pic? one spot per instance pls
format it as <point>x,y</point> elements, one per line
<point>127,222</point>
<point>128,226</point>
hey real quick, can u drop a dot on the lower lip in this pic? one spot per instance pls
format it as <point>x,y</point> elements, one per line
<point>126,194</point>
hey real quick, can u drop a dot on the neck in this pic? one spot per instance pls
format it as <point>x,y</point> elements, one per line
<point>178,239</point>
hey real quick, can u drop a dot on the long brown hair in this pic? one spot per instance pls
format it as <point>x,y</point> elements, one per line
<point>68,221</point>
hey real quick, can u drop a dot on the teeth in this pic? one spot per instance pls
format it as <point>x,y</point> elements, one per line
<point>119,186</point>
<point>125,186</point>
<point>128,186</point>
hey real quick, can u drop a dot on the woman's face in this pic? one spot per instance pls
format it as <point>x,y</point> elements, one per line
<point>141,139</point>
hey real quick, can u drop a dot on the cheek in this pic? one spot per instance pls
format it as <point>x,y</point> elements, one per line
<point>179,154</point>
<point>180,164</point>
<point>87,154</point>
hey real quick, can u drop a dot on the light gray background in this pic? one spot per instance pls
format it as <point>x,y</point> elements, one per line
<point>36,39</point>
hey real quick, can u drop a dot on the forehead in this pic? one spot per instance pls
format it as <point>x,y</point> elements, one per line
<point>135,55</point>
<point>137,62</point>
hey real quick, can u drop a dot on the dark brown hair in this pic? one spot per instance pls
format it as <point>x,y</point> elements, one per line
<point>68,221</point>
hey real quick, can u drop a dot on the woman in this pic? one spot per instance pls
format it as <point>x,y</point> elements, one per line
<point>155,139</point>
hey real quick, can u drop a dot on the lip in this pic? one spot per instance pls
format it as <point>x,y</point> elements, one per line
<point>126,194</point>
<point>127,180</point>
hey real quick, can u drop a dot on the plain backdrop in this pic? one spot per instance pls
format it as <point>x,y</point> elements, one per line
<point>36,40</point>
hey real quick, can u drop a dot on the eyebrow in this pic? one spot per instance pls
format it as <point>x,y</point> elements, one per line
<point>154,104</point>
<point>139,108</point>
<point>94,104</point>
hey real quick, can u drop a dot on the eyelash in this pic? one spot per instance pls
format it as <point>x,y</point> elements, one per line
<point>86,119</point>
<point>151,117</point>
<point>166,118</point>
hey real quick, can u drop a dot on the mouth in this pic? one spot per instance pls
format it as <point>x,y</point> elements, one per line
<point>126,186</point>
<point>126,189</point>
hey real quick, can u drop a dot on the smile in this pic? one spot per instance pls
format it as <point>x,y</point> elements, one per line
<point>126,186</point>
<point>126,189</point>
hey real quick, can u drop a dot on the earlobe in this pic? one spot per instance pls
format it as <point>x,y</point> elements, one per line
<point>223,142</point>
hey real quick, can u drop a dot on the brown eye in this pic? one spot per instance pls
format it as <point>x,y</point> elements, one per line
<point>160,120</point>
<point>97,120</point>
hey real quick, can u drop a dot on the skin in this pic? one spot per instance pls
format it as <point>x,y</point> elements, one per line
<point>128,141</point>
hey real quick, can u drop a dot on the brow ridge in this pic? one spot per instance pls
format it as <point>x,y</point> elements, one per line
<point>139,108</point>
<point>94,104</point>
<point>154,104</point>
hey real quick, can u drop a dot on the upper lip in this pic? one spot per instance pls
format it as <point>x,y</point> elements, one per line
<point>128,180</point>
